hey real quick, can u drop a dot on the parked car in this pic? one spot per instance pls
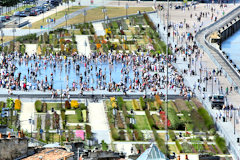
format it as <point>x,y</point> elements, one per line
<point>3,19</point>
<point>7,17</point>
<point>217,101</point>
<point>33,13</point>
<point>27,10</point>
<point>17,13</point>
<point>22,14</point>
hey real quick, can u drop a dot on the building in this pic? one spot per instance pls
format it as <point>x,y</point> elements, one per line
<point>152,153</point>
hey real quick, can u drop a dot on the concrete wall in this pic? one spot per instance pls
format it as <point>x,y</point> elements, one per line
<point>13,148</point>
<point>229,29</point>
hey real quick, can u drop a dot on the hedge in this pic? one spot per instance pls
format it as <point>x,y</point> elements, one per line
<point>120,102</point>
<point>79,115</point>
<point>82,106</point>
<point>39,122</point>
<point>198,121</point>
<point>178,146</point>
<point>17,105</point>
<point>149,22</point>
<point>160,142</point>
<point>221,143</point>
<point>88,131</point>
<point>138,135</point>
<point>181,105</point>
<point>157,123</point>
<point>207,119</point>
<point>38,106</point>
<point>114,131</point>
<point>150,119</point>
<point>104,146</point>
<point>121,135</point>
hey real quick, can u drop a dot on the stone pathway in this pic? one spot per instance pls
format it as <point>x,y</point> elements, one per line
<point>99,122</point>
<point>83,45</point>
<point>99,29</point>
<point>31,48</point>
<point>27,112</point>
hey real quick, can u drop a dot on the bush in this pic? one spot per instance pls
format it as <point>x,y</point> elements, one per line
<point>150,119</point>
<point>142,103</point>
<point>47,122</point>
<point>82,106</point>
<point>158,100</point>
<point>104,146</point>
<point>138,135</point>
<point>74,104</point>
<point>67,105</point>
<point>178,146</point>
<point>221,143</point>
<point>39,122</point>
<point>17,105</point>
<point>44,107</point>
<point>157,123</point>
<point>174,119</point>
<point>135,105</point>
<point>206,117</point>
<point>198,121</point>
<point>79,115</point>
<point>120,102</point>
<point>115,134</point>
<point>38,106</point>
<point>160,142</point>
<point>129,133</point>
<point>172,135</point>
<point>121,135</point>
<point>88,131</point>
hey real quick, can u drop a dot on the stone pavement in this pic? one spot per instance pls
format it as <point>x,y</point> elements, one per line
<point>99,123</point>
<point>27,112</point>
<point>99,29</point>
<point>83,45</point>
<point>207,64</point>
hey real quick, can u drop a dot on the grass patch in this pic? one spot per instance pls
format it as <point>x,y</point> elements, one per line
<point>97,14</point>
<point>60,14</point>
<point>173,148</point>
<point>129,105</point>
<point>142,122</point>
<point>72,118</point>
<point>56,106</point>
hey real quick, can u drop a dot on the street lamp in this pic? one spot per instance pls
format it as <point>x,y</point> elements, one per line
<point>13,30</point>
<point>31,121</point>
<point>84,14</point>
<point>126,9</point>
<point>104,10</point>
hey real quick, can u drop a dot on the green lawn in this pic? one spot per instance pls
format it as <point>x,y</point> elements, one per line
<point>129,105</point>
<point>142,123</point>
<point>54,105</point>
<point>72,118</point>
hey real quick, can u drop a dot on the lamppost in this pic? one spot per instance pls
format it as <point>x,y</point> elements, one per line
<point>29,26</point>
<point>13,30</point>
<point>84,14</point>
<point>31,121</point>
<point>126,9</point>
<point>104,10</point>
<point>66,18</point>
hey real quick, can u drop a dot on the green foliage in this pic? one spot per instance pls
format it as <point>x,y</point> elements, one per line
<point>104,146</point>
<point>150,119</point>
<point>142,103</point>
<point>47,122</point>
<point>115,134</point>
<point>27,38</point>
<point>10,103</point>
<point>172,135</point>
<point>88,131</point>
<point>38,105</point>
<point>82,106</point>
<point>79,115</point>
<point>160,142</point>
<point>138,135</point>
<point>149,21</point>
<point>186,147</point>
<point>221,143</point>
<point>198,121</point>
<point>207,119</point>
<point>120,103</point>
<point>181,105</point>
<point>174,119</point>
<point>179,146</point>
<point>39,122</point>
<point>121,135</point>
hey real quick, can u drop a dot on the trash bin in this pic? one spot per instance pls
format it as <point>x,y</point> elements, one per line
<point>223,119</point>
<point>204,89</point>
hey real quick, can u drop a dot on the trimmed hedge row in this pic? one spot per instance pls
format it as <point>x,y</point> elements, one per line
<point>88,131</point>
<point>178,146</point>
<point>142,103</point>
<point>206,117</point>
<point>79,115</point>
<point>38,106</point>
<point>221,143</point>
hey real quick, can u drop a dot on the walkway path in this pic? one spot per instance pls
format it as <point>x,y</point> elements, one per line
<point>99,29</point>
<point>27,112</point>
<point>83,45</point>
<point>99,122</point>
<point>31,48</point>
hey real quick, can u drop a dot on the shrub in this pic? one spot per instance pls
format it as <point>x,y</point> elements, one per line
<point>44,108</point>
<point>158,100</point>
<point>206,117</point>
<point>160,142</point>
<point>198,121</point>
<point>38,106</point>
<point>39,122</point>
<point>186,147</point>
<point>142,103</point>
<point>172,135</point>
<point>179,147</point>
<point>121,135</point>
<point>120,102</point>
<point>129,133</point>
<point>157,123</point>
<point>67,105</point>
<point>150,119</point>
<point>88,131</point>
<point>82,106</point>
<point>79,115</point>
<point>74,104</point>
<point>138,135</point>
<point>120,121</point>
<point>17,105</point>
<point>47,122</point>
<point>115,134</point>
<point>135,105</point>
<point>104,146</point>
<point>221,143</point>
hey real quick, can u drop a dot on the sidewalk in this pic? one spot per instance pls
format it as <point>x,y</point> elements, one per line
<point>206,62</point>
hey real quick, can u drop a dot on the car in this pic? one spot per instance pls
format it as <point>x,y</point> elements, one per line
<point>27,10</point>
<point>22,14</point>
<point>217,101</point>
<point>3,19</point>
<point>17,13</point>
<point>7,17</point>
<point>33,13</point>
